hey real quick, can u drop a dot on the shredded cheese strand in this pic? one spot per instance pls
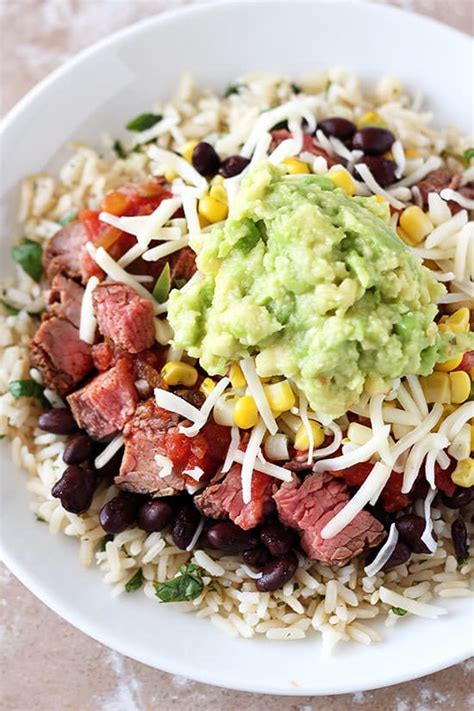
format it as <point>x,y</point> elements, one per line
<point>88,321</point>
<point>384,553</point>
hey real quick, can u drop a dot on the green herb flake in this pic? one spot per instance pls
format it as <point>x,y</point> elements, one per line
<point>188,585</point>
<point>68,218</point>
<point>28,388</point>
<point>12,310</point>
<point>468,156</point>
<point>179,283</point>
<point>28,255</point>
<point>326,90</point>
<point>135,582</point>
<point>40,519</point>
<point>119,149</point>
<point>296,88</point>
<point>233,89</point>
<point>143,121</point>
<point>399,611</point>
<point>163,285</point>
<point>104,541</point>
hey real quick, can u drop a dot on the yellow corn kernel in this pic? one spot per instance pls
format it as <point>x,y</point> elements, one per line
<point>415,224</point>
<point>436,388</point>
<point>245,412</point>
<point>343,180</point>
<point>219,193</point>
<point>463,475</point>
<point>237,378</point>
<point>294,166</point>
<point>170,175</point>
<point>458,322</point>
<point>460,386</point>
<point>388,155</point>
<point>472,438</point>
<point>448,365</point>
<point>280,396</point>
<point>371,118</point>
<point>207,386</point>
<point>187,150</point>
<point>203,222</point>
<point>412,153</point>
<point>211,209</point>
<point>177,373</point>
<point>379,198</point>
<point>302,439</point>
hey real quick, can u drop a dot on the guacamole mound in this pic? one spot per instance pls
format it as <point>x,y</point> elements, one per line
<point>316,286</point>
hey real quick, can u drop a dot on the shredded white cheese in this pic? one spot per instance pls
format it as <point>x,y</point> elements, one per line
<point>144,227</point>
<point>384,553</point>
<point>195,473</point>
<point>165,464</point>
<point>171,161</point>
<point>111,449</point>
<point>163,250</point>
<point>427,536</point>
<point>447,229</point>
<point>233,447</point>
<point>430,442</point>
<point>256,390</point>
<point>88,322</point>
<point>248,462</point>
<point>114,271</point>
<point>191,214</point>
<point>261,465</point>
<point>206,408</point>
<point>374,483</point>
<point>448,194</point>
<point>377,189</point>
<point>173,403</point>
<point>361,454</point>
<point>197,533</point>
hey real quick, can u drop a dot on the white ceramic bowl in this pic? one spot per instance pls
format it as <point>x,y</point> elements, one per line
<point>98,91</point>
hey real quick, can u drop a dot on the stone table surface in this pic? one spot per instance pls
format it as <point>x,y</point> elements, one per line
<point>45,663</point>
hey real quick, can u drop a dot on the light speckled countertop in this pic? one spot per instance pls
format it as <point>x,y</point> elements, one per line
<point>46,664</point>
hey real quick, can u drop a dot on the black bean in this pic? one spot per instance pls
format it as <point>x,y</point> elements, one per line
<point>205,159</point>
<point>228,537</point>
<point>382,169</point>
<point>257,557</point>
<point>185,525</point>
<point>59,421</point>
<point>400,554</point>
<point>75,489</point>
<point>278,539</point>
<point>373,140</point>
<point>338,127</point>
<point>233,165</point>
<point>78,449</point>
<point>459,535</point>
<point>461,497</point>
<point>154,515</point>
<point>118,514</point>
<point>277,572</point>
<point>410,528</point>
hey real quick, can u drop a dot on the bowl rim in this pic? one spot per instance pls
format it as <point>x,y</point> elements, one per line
<point>32,581</point>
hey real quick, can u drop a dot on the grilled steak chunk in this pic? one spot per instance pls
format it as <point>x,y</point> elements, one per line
<point>63,252</point>
<point>154,431</point>
<point>124,316</point>
<point>59,354</point>
<point>224,499</point>
<point>107,402</point>
<point>309,506</point>
<point>65,299</point>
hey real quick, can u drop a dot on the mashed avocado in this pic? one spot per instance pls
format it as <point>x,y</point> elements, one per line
<point>314,284</point>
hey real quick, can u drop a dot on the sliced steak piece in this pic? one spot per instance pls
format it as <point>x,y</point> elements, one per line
<point>64,250</point>
<point>310,144</point>
<point>145,437</point>
<point>224,499</point>
<point>60,355</point>
<point>124,316</point>
<point>154,431</point>
<point>308,508</point>
<point>103,355</point>
<point>437,181</point>
<point>107,402</point>
<point>65,299</point>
